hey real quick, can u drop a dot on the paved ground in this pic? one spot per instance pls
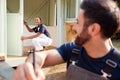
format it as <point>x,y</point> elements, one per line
<point>57,72</point>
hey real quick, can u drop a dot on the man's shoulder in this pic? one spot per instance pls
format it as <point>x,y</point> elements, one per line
<point>116,50</point>
<point>116,55</point>
<point>43,25</point>
<point>66,46</point>
<point>70,46</point>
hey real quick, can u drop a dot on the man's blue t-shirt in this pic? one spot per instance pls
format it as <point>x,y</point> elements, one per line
<point>85,61</point>
<point>42,29</point>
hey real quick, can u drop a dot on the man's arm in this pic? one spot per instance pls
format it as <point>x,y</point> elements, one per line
<point>28,28</point>
<point>45,58</point>
<point>30,37</point>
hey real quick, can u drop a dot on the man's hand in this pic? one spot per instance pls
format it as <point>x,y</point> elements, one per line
<point>23,38</point>
<point>26,72</point>
<point>25,22</point>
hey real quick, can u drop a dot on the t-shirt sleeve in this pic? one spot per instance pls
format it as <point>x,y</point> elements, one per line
<point>34,29</point>
<point>42,29</point>
<point>65,50</point>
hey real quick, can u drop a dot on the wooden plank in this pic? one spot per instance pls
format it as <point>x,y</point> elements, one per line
<point>15,60</point>
<point>70,34</point>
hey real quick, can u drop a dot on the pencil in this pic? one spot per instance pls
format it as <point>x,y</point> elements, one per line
<point>33,50</point>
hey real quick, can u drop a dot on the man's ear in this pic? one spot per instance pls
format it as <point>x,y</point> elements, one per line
<point>94,29</point>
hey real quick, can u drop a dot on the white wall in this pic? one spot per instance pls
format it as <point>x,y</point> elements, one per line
<point>54,34</point>
<point>14,28</point>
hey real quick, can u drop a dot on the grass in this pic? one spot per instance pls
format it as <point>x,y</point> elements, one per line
<point>116,43</point>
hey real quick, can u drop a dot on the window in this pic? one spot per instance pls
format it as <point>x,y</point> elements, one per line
<point>71,9</point>
<point>13,6</point>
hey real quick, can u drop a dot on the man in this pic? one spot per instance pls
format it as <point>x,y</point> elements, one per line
<point>42,36</point>
<point>89,55</point>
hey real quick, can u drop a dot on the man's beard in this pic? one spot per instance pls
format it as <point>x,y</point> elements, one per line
<point>83,37</point>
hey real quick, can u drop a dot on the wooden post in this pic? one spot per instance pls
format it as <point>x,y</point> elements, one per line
<point>59,24</point>
<point>3,42</point>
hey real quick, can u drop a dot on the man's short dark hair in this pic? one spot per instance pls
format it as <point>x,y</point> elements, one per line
<point>40,18</point>
<point>103,12</point>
